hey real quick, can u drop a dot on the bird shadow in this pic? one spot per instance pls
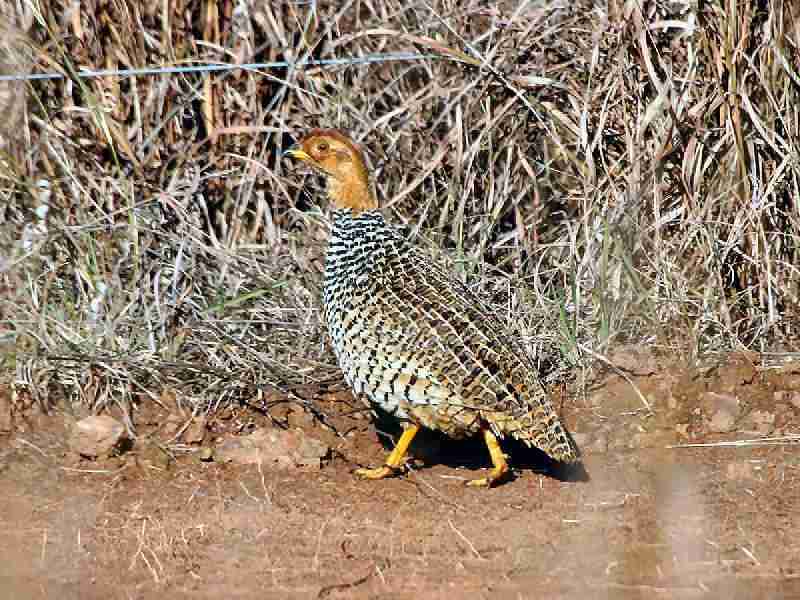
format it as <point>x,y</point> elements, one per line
<point>434,447</point>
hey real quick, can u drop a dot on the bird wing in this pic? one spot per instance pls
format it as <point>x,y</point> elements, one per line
<point>425,317</point>
<point>430,326</point>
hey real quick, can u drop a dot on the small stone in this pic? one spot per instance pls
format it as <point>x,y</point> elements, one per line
<point>713,402</point>
<point>722,421</point>
<point>275,448</point>
<point>635,359</point>
<point>794,399</point>
<point>682,429</point>
<point>239,450</point>
<point>98,436</point>
<point>723,408</point>
<point>314,451</point>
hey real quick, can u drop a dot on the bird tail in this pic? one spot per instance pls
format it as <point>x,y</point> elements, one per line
<point>551,437</point>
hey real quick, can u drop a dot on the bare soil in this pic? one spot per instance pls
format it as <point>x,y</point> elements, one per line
<point>644,521</point>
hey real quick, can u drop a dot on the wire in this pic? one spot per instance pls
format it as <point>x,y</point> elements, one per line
<point>368,59</point>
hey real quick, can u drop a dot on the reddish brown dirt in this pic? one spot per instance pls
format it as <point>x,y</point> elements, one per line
<point>650,522</point>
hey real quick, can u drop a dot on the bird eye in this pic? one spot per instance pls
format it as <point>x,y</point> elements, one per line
<point>322,146</point>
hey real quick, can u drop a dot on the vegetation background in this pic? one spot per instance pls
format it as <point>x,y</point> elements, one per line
<point>604,172</point>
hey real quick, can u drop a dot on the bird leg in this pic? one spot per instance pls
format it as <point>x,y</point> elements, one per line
<point>498,460</point>
<point>395,459</point>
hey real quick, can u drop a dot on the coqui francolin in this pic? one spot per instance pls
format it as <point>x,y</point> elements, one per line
<point>412,338</point>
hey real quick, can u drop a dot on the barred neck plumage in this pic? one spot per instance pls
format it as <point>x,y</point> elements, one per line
<point>359,237</point>
<point>358,248</point>
<point>346,219</point>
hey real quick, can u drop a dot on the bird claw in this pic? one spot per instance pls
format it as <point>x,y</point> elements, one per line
<point>495,475</point>
<point>482,482</point>
<point>379,472</point>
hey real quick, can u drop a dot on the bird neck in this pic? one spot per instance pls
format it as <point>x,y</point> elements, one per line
<point>352,192</point>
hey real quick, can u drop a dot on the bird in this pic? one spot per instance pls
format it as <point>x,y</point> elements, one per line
<point>414,340</point>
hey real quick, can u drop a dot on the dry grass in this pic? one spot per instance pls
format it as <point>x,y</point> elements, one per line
<point>602,172</point>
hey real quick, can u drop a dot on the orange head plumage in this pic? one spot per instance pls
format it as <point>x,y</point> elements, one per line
<point>336,156</point>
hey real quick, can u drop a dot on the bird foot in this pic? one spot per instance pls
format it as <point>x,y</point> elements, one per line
<point>495,475</point>
<point>379,472</point>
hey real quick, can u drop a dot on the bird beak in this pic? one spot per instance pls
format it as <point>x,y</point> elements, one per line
<point>297,152</point>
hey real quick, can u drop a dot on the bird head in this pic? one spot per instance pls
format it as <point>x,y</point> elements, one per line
<point>336,156</point>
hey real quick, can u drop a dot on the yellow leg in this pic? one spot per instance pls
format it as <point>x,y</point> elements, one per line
<point>498,460</point>
<point>395,458</point>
